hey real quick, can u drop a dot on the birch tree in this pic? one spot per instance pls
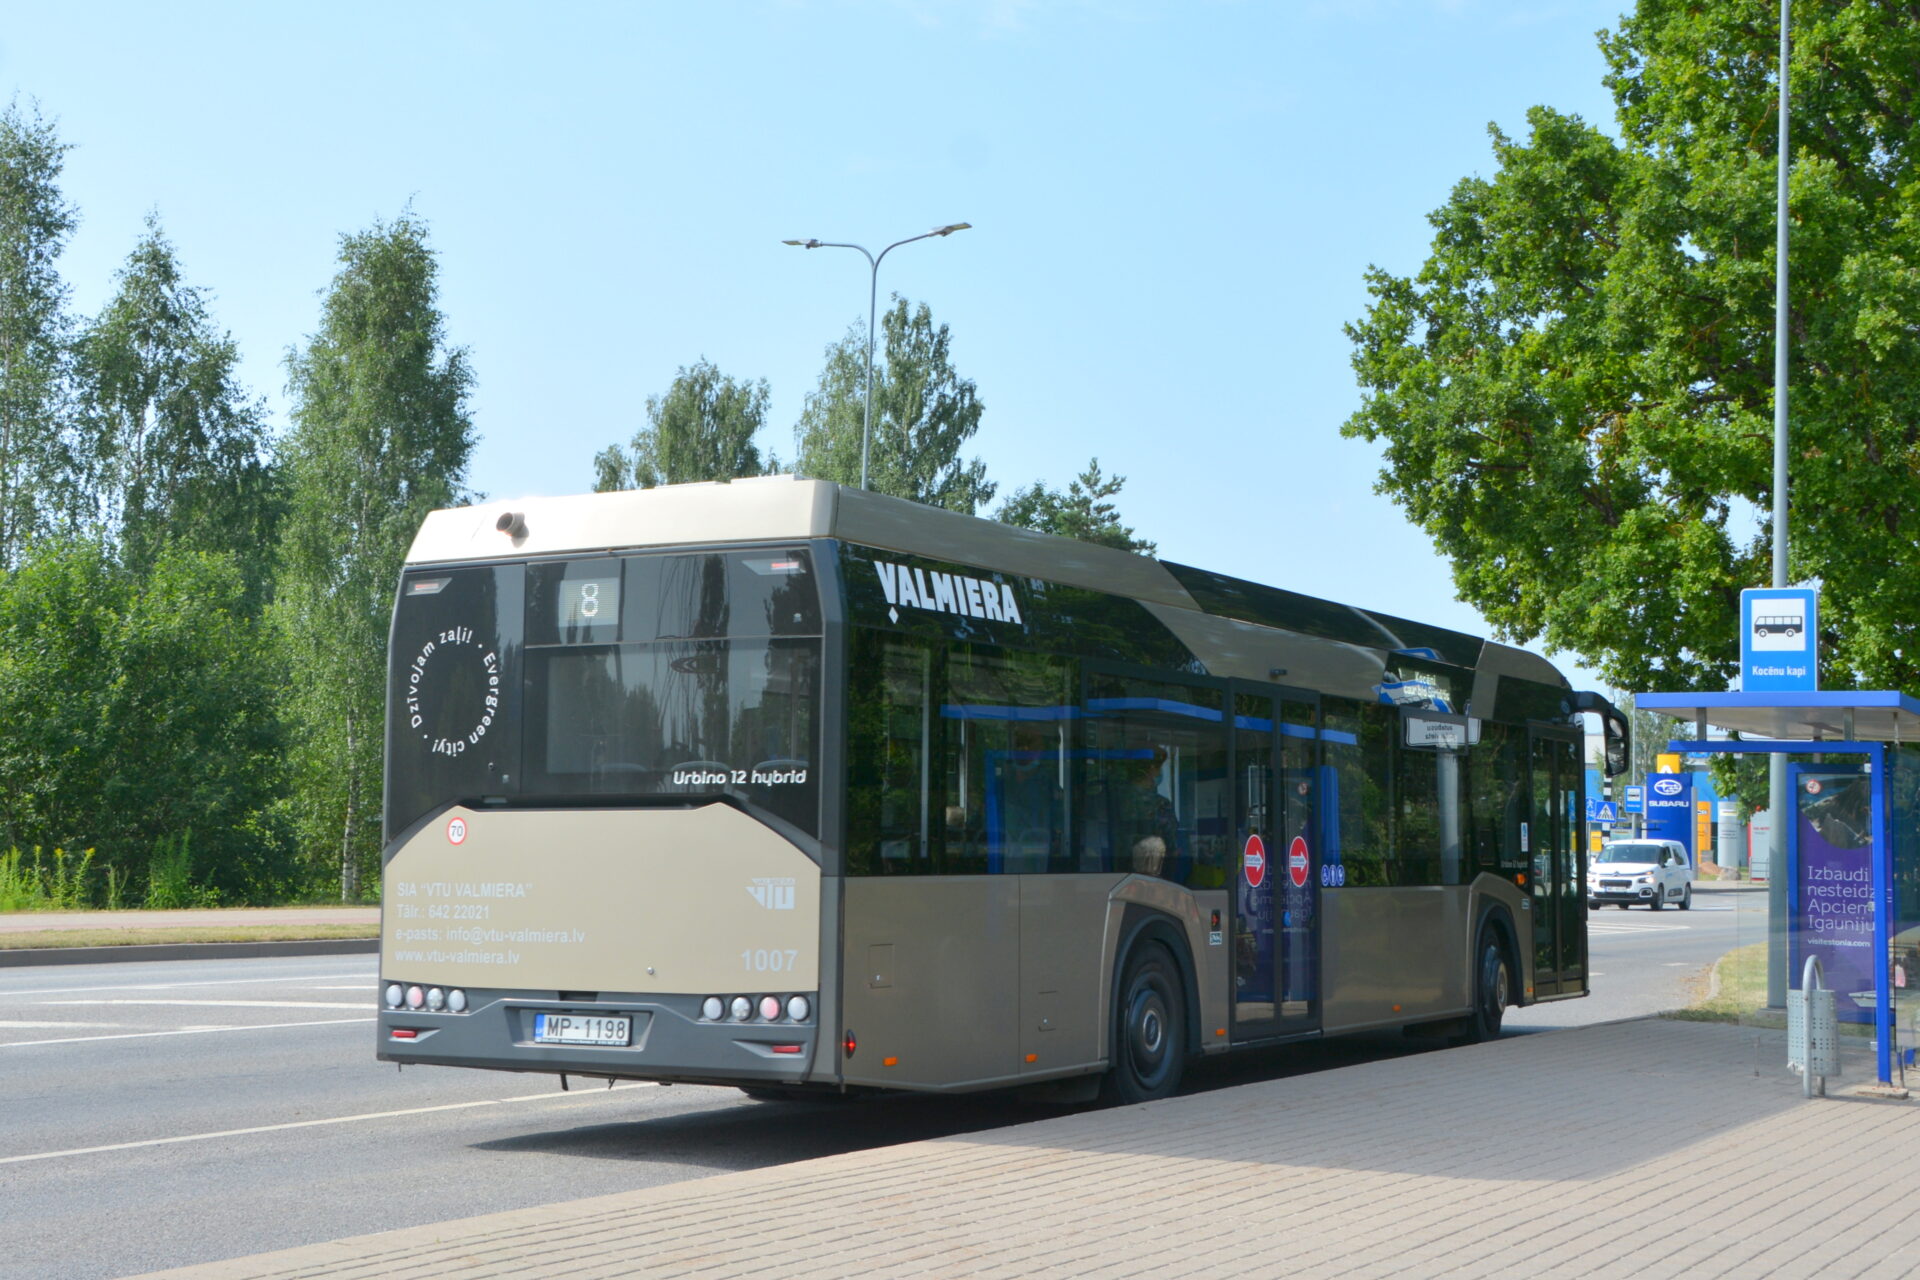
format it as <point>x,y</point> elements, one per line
<point>380,436</point>
<point>35,222</point>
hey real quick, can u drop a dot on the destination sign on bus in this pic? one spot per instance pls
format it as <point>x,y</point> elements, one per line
<point>588,602</point>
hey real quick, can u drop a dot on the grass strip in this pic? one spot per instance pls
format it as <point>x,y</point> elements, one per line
<point>200,933</point>
<point>1738,992</point>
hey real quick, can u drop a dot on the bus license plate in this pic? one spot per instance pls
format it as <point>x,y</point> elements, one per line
<point>579,1028</point>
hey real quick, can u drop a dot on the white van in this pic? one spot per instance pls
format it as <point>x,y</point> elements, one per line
<point>1654,872</point>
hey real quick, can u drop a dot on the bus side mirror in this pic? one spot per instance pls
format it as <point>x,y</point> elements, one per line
<point>1613,731</point>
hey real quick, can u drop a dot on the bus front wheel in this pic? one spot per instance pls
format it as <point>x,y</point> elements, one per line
<point>1149,1033</point>
<point>1492,989</point>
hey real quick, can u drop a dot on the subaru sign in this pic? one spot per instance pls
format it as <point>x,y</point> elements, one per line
<point>1670,808</point>
<point>1778,651</point>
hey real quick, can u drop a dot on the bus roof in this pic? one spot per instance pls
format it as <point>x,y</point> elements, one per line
<point>788,508</point>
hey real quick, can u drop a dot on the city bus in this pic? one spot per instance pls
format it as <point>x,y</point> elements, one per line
<point>794,787</point>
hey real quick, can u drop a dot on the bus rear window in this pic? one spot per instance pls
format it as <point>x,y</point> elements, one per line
<point>677,676</point>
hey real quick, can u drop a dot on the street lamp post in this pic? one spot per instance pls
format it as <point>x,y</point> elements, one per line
<point>1777,798</point>
<point>873,297</point>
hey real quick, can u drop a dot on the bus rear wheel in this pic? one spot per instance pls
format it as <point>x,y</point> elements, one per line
<point>1149,1031</point>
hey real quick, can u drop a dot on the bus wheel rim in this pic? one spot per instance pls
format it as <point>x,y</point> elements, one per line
<point>1146,1036</point>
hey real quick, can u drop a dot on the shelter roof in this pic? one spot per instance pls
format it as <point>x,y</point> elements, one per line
<point>1863,715</point>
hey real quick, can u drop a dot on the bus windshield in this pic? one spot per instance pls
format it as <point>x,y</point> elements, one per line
<point>662,676</point>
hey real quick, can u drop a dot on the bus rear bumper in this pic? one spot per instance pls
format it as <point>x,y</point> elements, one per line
<point>668,1039</point>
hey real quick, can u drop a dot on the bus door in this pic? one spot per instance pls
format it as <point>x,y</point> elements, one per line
<point>1556,826</point>
<point>1276,924</point>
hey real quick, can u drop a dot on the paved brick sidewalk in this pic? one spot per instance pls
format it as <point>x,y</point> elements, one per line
<point>1647,1149</point>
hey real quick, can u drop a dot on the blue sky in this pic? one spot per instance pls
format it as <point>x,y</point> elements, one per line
<point>1173,206</point>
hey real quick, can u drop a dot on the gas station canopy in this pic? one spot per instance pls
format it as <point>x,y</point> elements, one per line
<point>1864,716</point>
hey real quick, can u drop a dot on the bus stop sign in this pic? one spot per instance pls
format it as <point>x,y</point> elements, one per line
<point>1254,861</point>
<point>1777,649</point>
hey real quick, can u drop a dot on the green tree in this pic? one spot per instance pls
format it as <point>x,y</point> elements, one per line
<point>701,429</point>
<point>1574,393</point>
<point>174,449</point>
<point>35,221</point>
<point>923,414</point>
<point>164,720</point>
<point>1085,511</point>
<point>380,437</point>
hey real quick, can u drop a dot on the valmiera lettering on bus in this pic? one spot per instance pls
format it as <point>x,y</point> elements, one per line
<point>908,587</point>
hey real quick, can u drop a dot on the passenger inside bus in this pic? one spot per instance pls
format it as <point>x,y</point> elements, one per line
<point>1151,821</point>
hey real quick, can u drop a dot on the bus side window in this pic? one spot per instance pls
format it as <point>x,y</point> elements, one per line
<point>1157,796</point>
<point>1495,800</point>
<point>1430,826</point>
<point>890,736</point>
<point>1355,739</point>
<point>1005,720</point>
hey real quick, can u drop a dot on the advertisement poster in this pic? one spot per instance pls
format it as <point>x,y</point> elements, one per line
<point>1670,808</point>
<point>1833,887</point>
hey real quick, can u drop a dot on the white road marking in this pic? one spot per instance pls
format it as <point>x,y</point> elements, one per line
<point>356,986</point>
<point>230,1004</point>
<point>1636,928</point>
<point>53,1026</point>
<point>27,993</point>
<point>184,1031</point>
<point>310,1124</point>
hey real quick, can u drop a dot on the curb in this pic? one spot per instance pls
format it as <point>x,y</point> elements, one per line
<point>25,956</point>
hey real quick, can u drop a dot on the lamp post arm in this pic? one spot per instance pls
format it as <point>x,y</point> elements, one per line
<point>873,298</point>
<point>873,301</point>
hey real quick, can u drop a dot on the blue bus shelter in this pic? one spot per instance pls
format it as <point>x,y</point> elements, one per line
<point>1872,810</point>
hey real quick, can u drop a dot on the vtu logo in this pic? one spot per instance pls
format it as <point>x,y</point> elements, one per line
<point>773,894</point>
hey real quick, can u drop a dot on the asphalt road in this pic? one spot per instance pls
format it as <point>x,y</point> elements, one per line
<point>157,1115</point>
<point>1644,962</point>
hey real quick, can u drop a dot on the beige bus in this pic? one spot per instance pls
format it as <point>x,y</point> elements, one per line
<point>789,786</point>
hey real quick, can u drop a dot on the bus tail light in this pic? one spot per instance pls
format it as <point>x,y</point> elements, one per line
<point>770,1007</point>
<point>396,995</point>
<point>798,1008</point>
<point>457,1000</point>
<point>784,1048</point>
<point>712,1008</point>
<point>415,997</point>
<point>405,1033</point>
<point>852,1044</point>
<point>742,1009</point>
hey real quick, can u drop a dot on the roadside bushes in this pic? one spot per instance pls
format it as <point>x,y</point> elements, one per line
<point>138,708</point>
<point>59,884</point>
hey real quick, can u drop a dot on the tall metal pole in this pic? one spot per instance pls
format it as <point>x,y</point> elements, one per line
<point>873,300</point>
<point>866,426</point>
<point>1777,799</point>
